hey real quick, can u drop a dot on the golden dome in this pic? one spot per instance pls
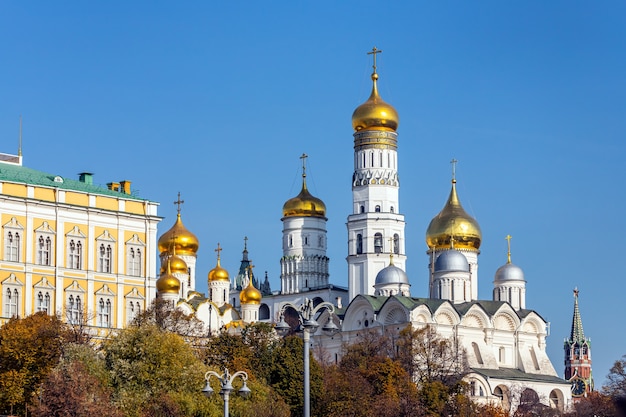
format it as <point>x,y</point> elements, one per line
<point>184,242</point>
<point>250,295</point>
<point>375,114</point>
<point>304,204</point>
<point>453,224</point>
<point>177,265</point>
<point>168,283</point>
<point>218,273</point>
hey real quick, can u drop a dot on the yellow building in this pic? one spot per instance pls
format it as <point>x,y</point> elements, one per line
<point>74,248</point>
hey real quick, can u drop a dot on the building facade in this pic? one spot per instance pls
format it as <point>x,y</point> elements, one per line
<point>74,248</point>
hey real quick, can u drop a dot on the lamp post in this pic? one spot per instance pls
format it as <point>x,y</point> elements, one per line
<point>226,385</point>
<point>308,325</point>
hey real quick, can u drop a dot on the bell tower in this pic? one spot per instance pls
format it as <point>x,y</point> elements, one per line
<point>375,227</point>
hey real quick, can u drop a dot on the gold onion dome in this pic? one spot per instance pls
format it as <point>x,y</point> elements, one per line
<point>177,265</point>
<point>168,283</point>
<point>304,204</point>
<point>184,242</point>
<point>375,114</point>
<point>218,273</point>
<point>453,223</point>
<point>250,295</point>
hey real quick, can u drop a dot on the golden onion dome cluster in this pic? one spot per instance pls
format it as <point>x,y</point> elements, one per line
<point>375,114</point>
<point>304,205</point>
<point>250,295</point>
<point>453,226</point>
<point>168,283</point>
<point>179,239</point>
<point>176,264</point>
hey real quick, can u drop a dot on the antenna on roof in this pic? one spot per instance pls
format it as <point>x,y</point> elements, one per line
<point>19,146</point>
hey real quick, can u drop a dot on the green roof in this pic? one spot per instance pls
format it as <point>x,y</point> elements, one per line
<point>23,175</point>
<point>515,374</point>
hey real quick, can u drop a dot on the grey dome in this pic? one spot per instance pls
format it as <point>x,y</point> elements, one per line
<point>451,260</point>
<point>391,275</point>
<point>509,272</point>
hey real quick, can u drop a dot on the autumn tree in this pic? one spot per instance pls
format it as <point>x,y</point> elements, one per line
<point>594,404</point>
<point>30,348</point>
<point>71,391</point>
<point>369,382</point>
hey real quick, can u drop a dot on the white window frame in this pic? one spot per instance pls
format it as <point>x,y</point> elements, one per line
<point>105,250</point>
<point>135,256</point>
<point>13,236</point>
<point>75,249</point>
<point>44,245</point>
<point>104,310</point>
<point>75,298</point>
<point>134,305</point>
<point>42,302</point>
<point>11,296</point>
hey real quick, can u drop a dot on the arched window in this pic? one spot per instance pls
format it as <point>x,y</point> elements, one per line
<point>11,303</point>
<point>378,243</point>
<point>74,309</point>
<point>396,244</point>
<point>134,262</point>
<point>104,260</point>
<point>75,255</point>
<point>43,250</point>
<point>377,209</point>
<point>391,209</point>
<point>43,302</point>
<point>12,247</point>
<point>104,313</point>
<point>359,244</point>
<point>362,209</point>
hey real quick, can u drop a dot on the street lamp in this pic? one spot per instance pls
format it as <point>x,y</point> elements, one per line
<point>226,384</point>
<point>308,325</point>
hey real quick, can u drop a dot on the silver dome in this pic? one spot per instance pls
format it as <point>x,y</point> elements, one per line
<point>451,260</point>
<point>509,272</point>
<point>391,275</point>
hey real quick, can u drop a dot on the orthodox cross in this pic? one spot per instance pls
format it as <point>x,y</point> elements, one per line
<point>374,52</point>
<point>454,162</point>
<point>304,157</point>
<point>218,250</point>
<point>508,240</point>
<point>245,243</point>
<point>576,292</point>
<point>179,202</point>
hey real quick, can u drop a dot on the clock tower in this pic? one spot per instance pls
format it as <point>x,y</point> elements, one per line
<point>578,357</point>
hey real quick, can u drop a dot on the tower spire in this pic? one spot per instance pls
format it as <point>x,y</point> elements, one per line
<point>577,333</point>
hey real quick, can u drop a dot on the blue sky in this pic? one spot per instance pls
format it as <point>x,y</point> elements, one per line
<point>218,101</point>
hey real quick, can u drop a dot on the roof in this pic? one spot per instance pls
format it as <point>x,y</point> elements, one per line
<point>515,374</point>
<point>21,174</point>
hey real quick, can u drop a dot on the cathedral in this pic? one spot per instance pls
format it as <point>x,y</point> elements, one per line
<point>505,341</point>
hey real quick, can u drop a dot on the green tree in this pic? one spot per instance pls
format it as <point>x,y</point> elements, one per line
<point>154,373</point>
<point>286,375</point>
<point>30,348</point>
<point>168,319</point>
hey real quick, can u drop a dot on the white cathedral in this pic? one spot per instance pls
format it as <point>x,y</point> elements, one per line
<point>505,341</point>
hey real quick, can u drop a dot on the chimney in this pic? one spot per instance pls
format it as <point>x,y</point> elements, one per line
<point>113,186</point>
<point>86,177</point>
<point>125,184</point>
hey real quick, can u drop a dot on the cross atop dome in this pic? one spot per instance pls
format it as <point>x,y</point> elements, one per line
<point>375,51</point>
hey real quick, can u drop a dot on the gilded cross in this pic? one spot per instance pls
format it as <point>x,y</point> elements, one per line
<point>374,52</point>
<point>454,162</point>
<point>508,241</point>
<point>179,202</point>
<point>304,157</point>
<point>218,250</point>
